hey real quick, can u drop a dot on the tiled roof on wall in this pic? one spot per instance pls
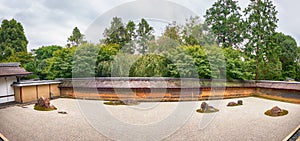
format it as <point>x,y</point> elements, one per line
<point>12,69</point>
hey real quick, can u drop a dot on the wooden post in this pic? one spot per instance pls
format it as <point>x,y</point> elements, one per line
<point>21,95</point>
<point>37,92</point>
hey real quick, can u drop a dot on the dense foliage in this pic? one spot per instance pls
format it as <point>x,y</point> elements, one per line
<point>12,39</point>
<point>261,23</point>
<point>225,21</point>
<point>225,45</point>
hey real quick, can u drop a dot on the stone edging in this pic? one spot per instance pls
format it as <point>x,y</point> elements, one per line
<point>291,134</point>
<point>3,138</point>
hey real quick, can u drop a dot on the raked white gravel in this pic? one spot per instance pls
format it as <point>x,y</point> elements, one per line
<point>246,122</point>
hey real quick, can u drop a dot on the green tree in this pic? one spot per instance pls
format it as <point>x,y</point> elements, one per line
<point>122,63</point>
<point>200,60</point>
<point>225,21</point>
<point>60,65</point>
<point>76,38</point>
<point>162,44</point>
<point>105,59</point>
<point>298,65</point>
<point>216,61</point>
<point>116,33</point>
<point>237,66</point>
<point>172,31</point>
<point>130,31</point>
<point>12,38</point>
<point>287,47</point>
<point>144,36</point>
<point>150,65</point>
<point>181,63</point>
<point>39,64</point>
<point>130,45</point>
<point>194,32</point>
<point>45,52</point>
<point>21,57</point>
<point>261,23</point>
<point>84,61</point>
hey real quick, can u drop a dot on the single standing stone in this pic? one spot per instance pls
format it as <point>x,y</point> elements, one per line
<point>41,102</point>
<point>240,102</point>
<point>275,110</point>
<point>47,103</point>
<point>204,106</point>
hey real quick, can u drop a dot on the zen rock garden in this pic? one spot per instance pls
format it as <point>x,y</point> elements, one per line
<point>43,104</point>
<point>205,108</point>
<point>231,104</point>
<point>276,111</point>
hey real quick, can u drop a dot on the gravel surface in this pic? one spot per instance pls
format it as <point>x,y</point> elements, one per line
<point>246,122</point>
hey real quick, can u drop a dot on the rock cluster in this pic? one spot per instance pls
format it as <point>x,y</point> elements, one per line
<point>239,102</point>
<point>44,102</point>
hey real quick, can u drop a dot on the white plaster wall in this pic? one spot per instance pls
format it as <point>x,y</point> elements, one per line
<point>6,89</point>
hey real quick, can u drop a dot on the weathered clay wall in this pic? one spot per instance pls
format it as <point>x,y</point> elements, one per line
<point>155,95</point>
<point>279,92</point>
<point>147,90</point>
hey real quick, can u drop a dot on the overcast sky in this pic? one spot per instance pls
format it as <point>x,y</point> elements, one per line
<point>50,22</point>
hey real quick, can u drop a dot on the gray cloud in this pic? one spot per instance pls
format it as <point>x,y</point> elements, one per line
<point>48,22</point>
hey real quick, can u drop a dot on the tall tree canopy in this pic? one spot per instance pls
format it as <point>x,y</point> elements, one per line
<point>76,38</point>
<point>172,31</point>
<point>260,25</point>
<point>145,35</point>
<point>130,46</point>
<point>194,32</point>
<point>12,38</point>
<point>116,33</point>
<point>225,21</point>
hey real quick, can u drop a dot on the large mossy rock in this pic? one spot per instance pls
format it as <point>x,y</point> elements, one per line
<point>276,111</point>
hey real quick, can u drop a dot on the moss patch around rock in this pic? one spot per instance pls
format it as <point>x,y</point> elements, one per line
<point>39,108</point>
<point>116,103</point>
<point>209,110</point>
<point>284,112</point>
<point>234,105</point>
